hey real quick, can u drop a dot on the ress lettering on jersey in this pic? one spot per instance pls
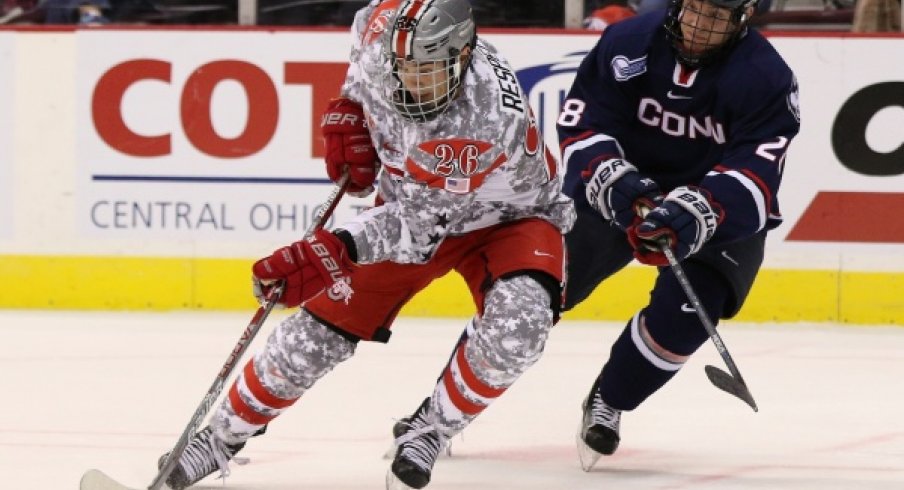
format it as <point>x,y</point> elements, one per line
<point>508,84</point>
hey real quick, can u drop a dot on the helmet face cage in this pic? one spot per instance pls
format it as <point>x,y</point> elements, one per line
<point>703,30</point>
<point>424,55</point>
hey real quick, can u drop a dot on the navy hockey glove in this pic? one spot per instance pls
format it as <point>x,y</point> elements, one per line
<point>618,191</point>
<point>686,219</point>
<point>306,267</point>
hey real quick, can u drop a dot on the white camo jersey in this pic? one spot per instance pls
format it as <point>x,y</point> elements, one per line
<point>480,163</point>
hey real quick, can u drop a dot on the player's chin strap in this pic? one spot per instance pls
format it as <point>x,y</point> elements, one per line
<point>730,383</point>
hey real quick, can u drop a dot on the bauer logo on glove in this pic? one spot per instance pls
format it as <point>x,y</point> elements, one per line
<point>348,146</point>
<point>618,191</point>
<point>705,214</point>
<point>306,267</point>
<point>685,221</point>
<point>351,120</point>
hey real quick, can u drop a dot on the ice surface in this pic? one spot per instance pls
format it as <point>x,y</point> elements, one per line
<point>114,391</point>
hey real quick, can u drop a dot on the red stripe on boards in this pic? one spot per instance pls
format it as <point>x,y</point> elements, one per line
<point>865,217</point>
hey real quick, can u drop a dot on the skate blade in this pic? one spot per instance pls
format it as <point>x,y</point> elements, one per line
<point>390,453</point>
<point>393,482</point>
<point>586,454</point>
<point>98,480</point>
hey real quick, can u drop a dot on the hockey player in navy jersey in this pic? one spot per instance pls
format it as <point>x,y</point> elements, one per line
<point>674,133</point>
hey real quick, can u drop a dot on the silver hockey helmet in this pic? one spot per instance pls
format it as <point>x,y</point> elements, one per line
<point>704,30</point>
<point>428,52</point>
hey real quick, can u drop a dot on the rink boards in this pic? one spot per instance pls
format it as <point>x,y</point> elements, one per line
<point>145,169</point>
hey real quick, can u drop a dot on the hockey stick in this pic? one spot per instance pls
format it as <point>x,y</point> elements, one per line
<point>730,383</point>
<point>97,480</point>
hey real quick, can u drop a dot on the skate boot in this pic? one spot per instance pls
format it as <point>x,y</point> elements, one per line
<point>598,432</point>
<point>400,428</point>
<point>418,444</point>
<point>204,454</point>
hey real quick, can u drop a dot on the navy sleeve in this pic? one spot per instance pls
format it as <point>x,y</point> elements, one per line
<point>747,180</point>
<point>591,118</point>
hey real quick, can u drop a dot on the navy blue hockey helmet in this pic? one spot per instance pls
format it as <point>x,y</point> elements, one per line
<point>704,30</point>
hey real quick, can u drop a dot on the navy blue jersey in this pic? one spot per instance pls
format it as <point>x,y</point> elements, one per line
<point>725,127</point>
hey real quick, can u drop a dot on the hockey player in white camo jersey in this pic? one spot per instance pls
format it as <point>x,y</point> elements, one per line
<point>435,117</point>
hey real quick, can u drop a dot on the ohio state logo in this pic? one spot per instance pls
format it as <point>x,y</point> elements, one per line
<point>341,290</point>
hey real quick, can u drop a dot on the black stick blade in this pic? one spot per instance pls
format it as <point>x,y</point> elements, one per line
<point>730,385</point>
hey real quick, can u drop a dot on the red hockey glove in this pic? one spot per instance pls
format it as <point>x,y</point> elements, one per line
<point>307,267</point>
<point>684,222</point>
<point>618,191</point>
<point>348,145</point>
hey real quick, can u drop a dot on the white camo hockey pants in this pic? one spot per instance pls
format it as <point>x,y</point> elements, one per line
<point>501,345</point>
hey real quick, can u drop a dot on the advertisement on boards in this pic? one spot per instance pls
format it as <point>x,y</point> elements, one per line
<point>855,122</point>
<point>7,199</point>
<point>845,170</point>
<point>214,135</point>
<point>205,137</point>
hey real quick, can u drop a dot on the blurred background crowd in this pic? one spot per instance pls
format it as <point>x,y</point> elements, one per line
<point>853,15</point>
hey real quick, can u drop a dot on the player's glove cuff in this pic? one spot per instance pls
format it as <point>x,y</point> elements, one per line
<point>600,177</point>
<point>706,212</point>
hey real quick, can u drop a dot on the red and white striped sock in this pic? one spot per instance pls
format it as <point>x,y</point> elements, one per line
<point>253,403</point>
<point>460,396</point>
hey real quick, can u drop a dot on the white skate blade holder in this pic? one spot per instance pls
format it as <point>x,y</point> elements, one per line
<point>98,480</point>
<point>588,456</point>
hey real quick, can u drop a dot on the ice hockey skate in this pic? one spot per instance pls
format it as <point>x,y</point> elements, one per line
<point>598,432</point>
<point>205,454</point>
<point>418,444</point>
<point>398,429</point>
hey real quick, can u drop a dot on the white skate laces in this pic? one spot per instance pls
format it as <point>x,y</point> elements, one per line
<point>602,414</point>
<point>422,451</point>
<point>204,455</point>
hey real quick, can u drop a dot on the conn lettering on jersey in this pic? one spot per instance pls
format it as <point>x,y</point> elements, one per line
<point>508,83</point>
<point>651,113</point>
